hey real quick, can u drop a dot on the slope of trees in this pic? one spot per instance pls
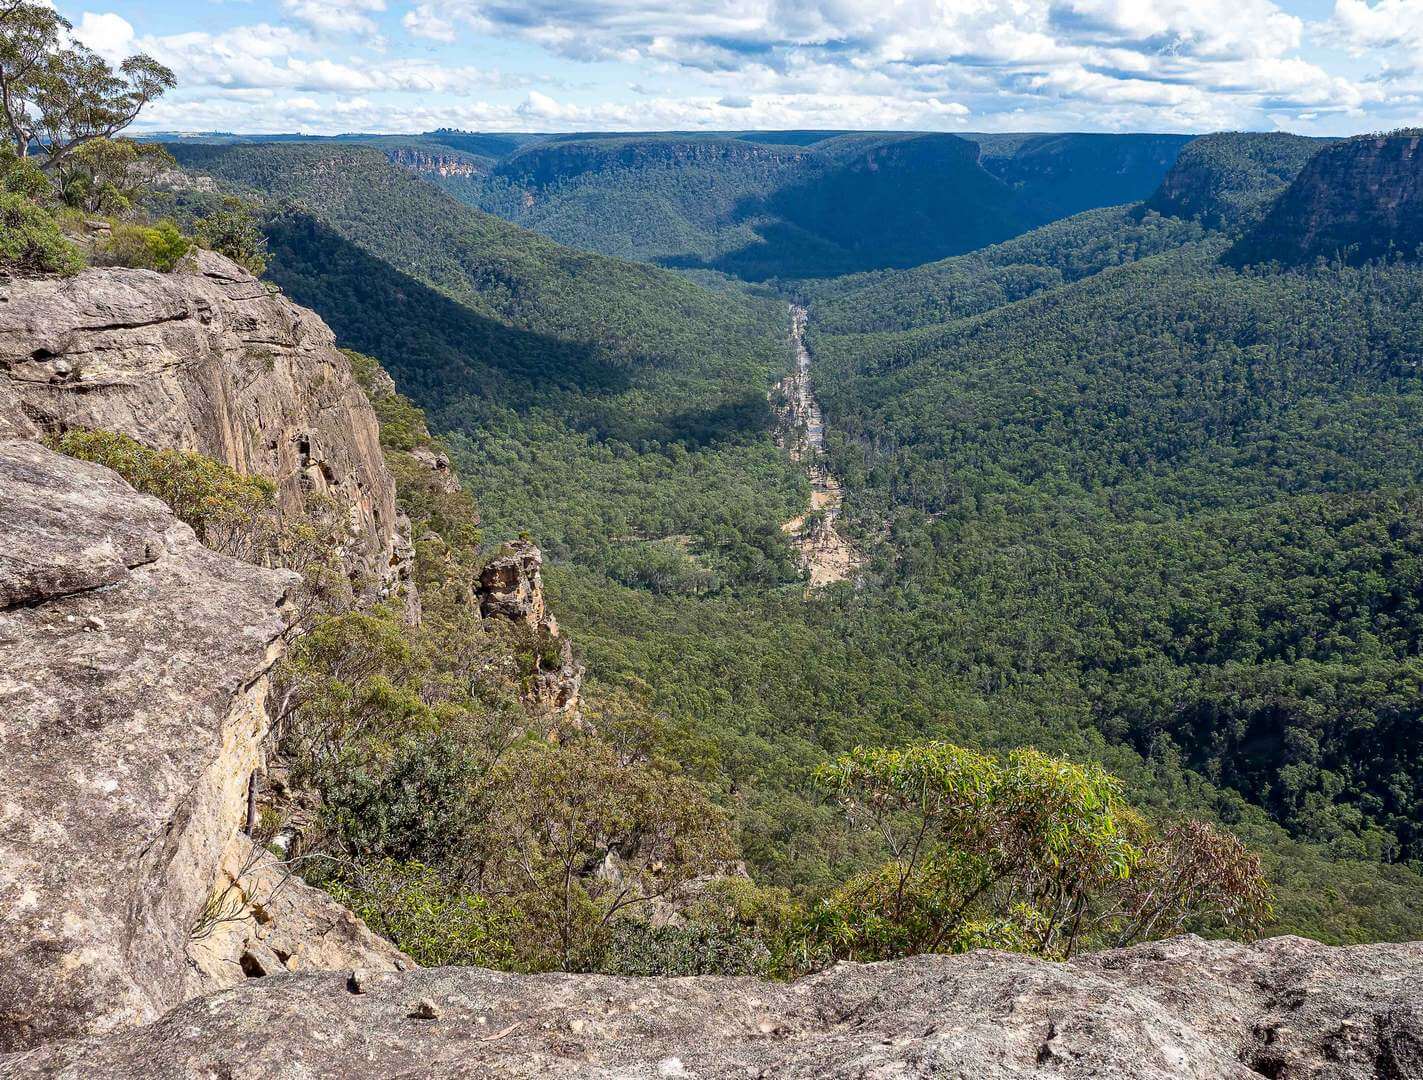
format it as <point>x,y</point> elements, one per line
<point>1187,491</point>
<point>1123,504</point>
<point>758,207</point>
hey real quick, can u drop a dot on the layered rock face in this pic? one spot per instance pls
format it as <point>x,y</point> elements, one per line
<point>511,588</point>
<point>435,162</point>
<point>206,359</point>
<point>1284,1008</point>
<point>1357,200</point>
<point>134,684</point>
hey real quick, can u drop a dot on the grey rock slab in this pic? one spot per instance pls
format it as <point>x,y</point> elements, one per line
<point>1185,1008</point>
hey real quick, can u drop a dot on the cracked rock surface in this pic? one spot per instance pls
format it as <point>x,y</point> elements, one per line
<point>206,359</point>
<point>133,666</point>
<point>1285,1008</point>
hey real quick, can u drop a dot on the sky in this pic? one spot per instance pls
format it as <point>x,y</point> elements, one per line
<point>333,66</point>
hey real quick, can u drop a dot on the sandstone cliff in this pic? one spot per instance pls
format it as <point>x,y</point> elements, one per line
<point>1229,179</point>
<point>1357,200</point>
<point>511,588</point>
<point>1285,1008</point>
<point>207,359</point>
<point>134,682</point>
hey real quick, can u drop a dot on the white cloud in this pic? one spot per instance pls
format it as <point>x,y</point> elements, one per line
<point>271,57</point>
<point>1109,64</point>
<point>336,16</point>
<point>1388,24</point>
<point>107,34</point>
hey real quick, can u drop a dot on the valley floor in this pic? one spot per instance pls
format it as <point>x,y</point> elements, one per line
<point>825,553</point>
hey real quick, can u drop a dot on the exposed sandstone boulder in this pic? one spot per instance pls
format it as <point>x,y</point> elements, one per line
<point>511,584</point>
<point>205,359</point>
<point>1285,1008</point>
<point>264,920</point>
<point>511,588</point>
<point>439,466</point>
<point>132,711</point>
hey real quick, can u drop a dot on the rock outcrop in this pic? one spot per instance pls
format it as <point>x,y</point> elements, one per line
<point>511,589</point>
<point>1357,200</point>
<point>511,585</point>
<point>208,359</point>
<point>437,162</point>
<point>132,711</point>
<point>1285,1008</point>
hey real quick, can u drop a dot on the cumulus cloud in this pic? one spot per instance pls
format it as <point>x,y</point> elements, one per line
<point>281,57</point>
<point>1186,56</point>
<point>1109,64</point>
<point>109,35</point>
<point>1389,24</point>
<point>336,16</point>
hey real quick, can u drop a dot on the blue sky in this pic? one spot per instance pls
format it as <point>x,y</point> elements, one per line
<point>330,66</point>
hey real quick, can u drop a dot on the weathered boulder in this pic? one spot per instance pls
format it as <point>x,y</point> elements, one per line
<point>206,358</point>
<point>1285,1008</point>
<point>438,463</point>
<point>133,679</point>
<point>511,584</point>
<point>511,589</point>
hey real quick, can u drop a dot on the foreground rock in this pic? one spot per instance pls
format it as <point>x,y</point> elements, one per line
<point>133,680</point>
<point>207,359</point>
<point>1285,1008</point>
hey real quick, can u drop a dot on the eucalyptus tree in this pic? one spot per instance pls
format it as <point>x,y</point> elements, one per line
<point>57,95</point>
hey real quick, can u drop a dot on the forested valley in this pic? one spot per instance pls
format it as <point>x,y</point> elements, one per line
<point>1132,488</point>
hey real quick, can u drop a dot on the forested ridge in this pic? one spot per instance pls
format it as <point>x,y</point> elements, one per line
<point>1123,502</point>
<point>762,205</point>
<point>1207,478</point>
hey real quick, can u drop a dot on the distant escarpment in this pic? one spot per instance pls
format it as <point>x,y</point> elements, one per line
<point>1229,179</point>
<point>1186,1008</point>
<point>1358,200</point>
<point>434,162</point>
<point>207,359</point>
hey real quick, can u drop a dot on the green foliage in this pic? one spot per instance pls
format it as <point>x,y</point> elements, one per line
<point>59,95</point>
<point>693,948</point>
<point>576,806</point>
<point>108,176</point>
<point>23,177</point>
<point>146,247</point>
<point>1121,504</point>
<point>30,238</point>
<point>1358,200</point>
<point>1031,853</point>
<point>1044,259</point>
<point>1228,180</point>
<point>231,229</point>
<point>552,375</point>
<point>409,905</point>
<point>229,511</point>
<point>843,202</point>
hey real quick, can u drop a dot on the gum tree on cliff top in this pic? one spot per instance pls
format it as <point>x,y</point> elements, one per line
<point>56,95</point>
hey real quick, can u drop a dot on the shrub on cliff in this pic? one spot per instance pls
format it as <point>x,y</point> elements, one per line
<point>145,247</point>
<point>1030,853</point>
<point>437,924</point>
<point>229,511</point>
<point>231,229</point>
<point>109,176</point>
<point>30,238</point>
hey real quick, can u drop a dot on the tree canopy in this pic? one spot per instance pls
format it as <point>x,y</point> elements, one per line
<point>57,95</point>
